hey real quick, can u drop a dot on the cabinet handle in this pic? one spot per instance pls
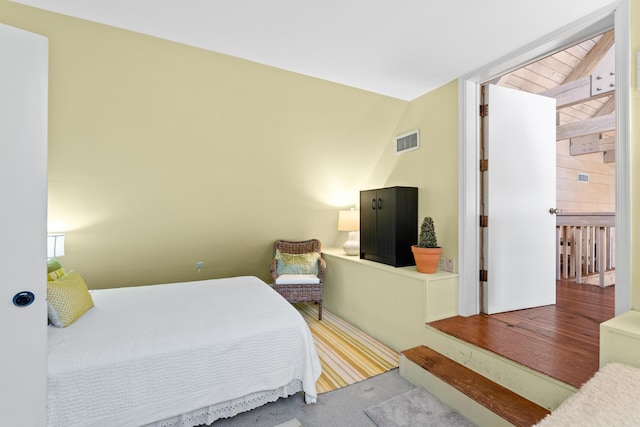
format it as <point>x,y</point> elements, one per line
<point>373,204</point>
<point>379,203</point>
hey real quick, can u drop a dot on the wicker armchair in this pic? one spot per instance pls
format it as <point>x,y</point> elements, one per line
<point>299,292</point>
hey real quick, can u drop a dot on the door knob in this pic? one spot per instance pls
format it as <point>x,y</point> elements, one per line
<point>554,211</point>
<point>23,299</point>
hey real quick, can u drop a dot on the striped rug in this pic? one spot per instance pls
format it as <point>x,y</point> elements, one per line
<point>347,354</point>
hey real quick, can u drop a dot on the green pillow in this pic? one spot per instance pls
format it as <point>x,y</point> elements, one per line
<point>54,269</point>
<point>53,264</point>
<point>306,263</point>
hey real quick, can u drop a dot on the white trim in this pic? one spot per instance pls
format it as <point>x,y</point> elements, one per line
<point>614,15</point>
<point>623,157</point>
<point>468,198</point>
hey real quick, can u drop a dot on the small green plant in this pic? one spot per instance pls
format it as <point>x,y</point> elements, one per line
<point>427,237</point>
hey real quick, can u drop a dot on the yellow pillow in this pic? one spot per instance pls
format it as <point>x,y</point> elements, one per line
<point>69,299</point>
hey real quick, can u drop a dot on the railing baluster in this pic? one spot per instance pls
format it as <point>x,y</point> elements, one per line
<point>558,254</point>
<point>565,254</point>
<point>572,251</point>
<point>579,259</point>
<point>585,244</point>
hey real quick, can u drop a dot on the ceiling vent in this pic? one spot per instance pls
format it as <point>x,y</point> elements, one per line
<point>408,142</point>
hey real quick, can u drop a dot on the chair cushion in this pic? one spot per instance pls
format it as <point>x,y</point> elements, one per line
<point>305,263</point>
<point>297,279</point>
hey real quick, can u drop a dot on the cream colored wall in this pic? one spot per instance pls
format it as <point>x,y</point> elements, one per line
<point>434,167</point>
<point>161,155</point>
<point>635,157</point>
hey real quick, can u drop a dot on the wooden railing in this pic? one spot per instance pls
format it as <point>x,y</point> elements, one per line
<point>585,245</point>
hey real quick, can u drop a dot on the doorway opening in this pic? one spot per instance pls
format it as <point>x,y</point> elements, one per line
<point>585,143</point>
<point>469,92</point>
<point>613,16</point>
<point>581,156</point>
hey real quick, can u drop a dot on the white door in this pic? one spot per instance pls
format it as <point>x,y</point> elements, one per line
<point>23,229</point>
<point>520,189</point>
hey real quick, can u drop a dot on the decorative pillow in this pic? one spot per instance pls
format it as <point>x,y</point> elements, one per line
<point>69,299</point>
<point>306,263</point>
<point>54,269</point>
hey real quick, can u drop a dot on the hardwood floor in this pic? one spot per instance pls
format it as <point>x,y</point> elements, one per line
<point>562,340</point>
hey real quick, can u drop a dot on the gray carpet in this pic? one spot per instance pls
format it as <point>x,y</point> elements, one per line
<point>290,423</point>
<point>339,408</point>
<point>415,408</point>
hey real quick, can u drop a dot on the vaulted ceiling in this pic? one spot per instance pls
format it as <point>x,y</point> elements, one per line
<point>582,79</point>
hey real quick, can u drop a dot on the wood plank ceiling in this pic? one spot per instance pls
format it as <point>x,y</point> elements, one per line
<point>582,79</point>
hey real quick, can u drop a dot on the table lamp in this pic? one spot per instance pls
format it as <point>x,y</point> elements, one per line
<point>350,221</point>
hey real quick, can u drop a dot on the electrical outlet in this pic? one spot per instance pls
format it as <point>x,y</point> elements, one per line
<point>448,264</point>
<point>199,265</point>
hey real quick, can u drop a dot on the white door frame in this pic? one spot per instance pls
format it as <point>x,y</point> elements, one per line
<point>616,15</point>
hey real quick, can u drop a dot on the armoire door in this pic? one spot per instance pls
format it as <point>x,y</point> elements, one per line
<point>386,222</point>
<point>368,213</point>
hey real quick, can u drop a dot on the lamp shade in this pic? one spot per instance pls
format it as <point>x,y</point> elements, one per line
<point>349,220</point>
<point>55,245</point>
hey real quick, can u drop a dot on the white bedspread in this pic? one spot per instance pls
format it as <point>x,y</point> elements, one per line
<point>143,354</point>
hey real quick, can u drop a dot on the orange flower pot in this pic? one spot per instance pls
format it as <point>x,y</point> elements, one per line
<point>427,259</point>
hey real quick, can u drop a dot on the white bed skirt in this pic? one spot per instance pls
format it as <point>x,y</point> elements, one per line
<point>209,414</point>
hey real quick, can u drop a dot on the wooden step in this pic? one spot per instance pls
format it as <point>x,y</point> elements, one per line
<point>505,403</point>
<point>529,383</point>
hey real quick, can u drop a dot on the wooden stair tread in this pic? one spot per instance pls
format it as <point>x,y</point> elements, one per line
<point>511,406</point>
<point>570,360</point>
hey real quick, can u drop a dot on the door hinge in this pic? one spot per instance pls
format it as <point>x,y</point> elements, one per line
<point>483,275</point>
<point>484,165</point>
<point>484,110</point>
<point>484,221</point>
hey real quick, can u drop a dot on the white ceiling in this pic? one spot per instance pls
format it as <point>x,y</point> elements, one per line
<point>399,48</point>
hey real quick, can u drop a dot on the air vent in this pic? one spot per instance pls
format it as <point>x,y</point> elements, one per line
<point>583,177</point>
<point>408,142</point>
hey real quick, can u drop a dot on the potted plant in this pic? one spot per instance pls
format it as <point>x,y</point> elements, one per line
<point>427,252</point>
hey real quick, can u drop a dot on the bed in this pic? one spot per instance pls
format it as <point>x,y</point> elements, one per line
<point>181,354</point>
